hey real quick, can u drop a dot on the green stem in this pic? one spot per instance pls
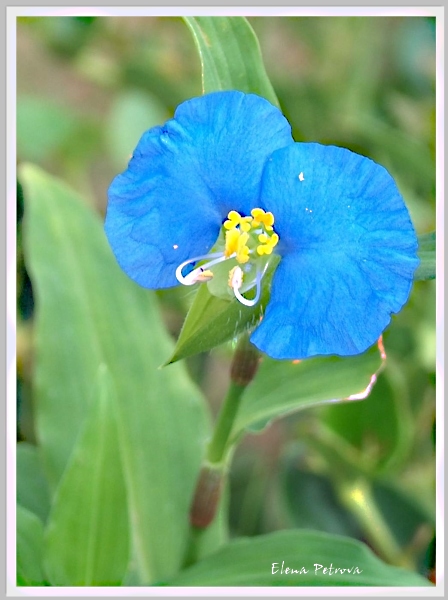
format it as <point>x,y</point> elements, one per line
<point>243,369</point>
<point>224,424</point>
<point>211,477</point>
<point>193,546</point>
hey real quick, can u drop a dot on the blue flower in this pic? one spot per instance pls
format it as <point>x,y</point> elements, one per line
<point>221,193</point>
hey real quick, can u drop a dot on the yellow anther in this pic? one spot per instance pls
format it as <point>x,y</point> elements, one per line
<point>204,276</point>
<point>246,224</point>
<point>232,237</point>
<point>236,243</point>
<point>242,253</point>
<point>257,213</point>
<point>235,219</point>
<point>260,216</point>
<point>268,244</point>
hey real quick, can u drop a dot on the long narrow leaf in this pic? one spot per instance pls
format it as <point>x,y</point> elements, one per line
<point>87,537</point>
<point>296,558</point>
<point>89,313</point>
<point>230,56</point>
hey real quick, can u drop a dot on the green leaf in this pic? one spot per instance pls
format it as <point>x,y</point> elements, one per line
<point>32,485</point>
<point>251,561</point>
<point>89,313</point>
<point>87,536</point>
<point>230,56</point>
<point>283,387</point>
<point>30,532</point>
<point>384,420</point>
<point>427,255</point>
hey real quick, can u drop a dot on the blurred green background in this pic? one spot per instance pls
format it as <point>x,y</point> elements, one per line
<point>88,87</point>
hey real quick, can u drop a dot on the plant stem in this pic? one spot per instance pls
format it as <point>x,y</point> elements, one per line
<point>224,424</point>
<point>211,477</point>
<point>244,366</point>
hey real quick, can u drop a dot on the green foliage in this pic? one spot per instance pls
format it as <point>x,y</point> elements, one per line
<point>258,562</point>
<point>32,485</point>
<point>30,533</point>
<point>283,387</point>
<point>427,254</point>
<point>230,56</point>
<point>90,505</point>
<point>90,314</point>
<point>113,443</point>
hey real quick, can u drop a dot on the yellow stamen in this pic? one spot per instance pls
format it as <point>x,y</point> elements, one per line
<point>242,253</point>
<point>267,243</point>
<point>235,219</point>
<point>245,238</point>
<point>246,223</point>
<point>205,275</point>
<point>260,216</point>
<point>232,237</point>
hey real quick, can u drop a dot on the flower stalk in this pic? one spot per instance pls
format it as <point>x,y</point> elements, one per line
<point>213,471</point>
<point>243,369</point>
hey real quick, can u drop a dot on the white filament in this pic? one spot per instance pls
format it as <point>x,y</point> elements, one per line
<point>193,276</point>
<point>236,284</point>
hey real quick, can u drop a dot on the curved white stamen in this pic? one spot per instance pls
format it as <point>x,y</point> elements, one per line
<point>192,277</point>
<point>241,298</point>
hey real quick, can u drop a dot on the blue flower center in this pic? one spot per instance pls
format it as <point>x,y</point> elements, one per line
<point>238,260</point>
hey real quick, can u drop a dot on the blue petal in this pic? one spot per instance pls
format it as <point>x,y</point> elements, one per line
<point>184,178</point>
<point>349,252</point>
